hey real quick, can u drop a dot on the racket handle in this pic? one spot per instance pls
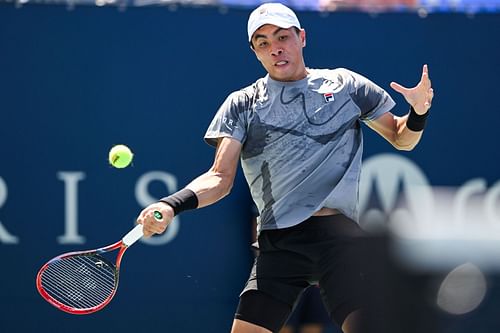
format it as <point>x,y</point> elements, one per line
<point>133,236</point>
<point>158,215</point>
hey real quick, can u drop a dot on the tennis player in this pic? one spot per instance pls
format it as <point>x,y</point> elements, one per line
<point>297,132</point>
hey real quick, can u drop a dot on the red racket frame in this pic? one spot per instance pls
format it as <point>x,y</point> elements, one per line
<point>118,245</point>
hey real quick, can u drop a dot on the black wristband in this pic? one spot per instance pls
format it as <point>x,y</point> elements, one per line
<point>416,122</point>
<point>182,200</point>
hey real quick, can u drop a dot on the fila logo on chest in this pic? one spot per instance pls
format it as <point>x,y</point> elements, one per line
<point>328,97</point>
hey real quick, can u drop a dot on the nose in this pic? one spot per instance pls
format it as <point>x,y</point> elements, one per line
<point>276,51</point>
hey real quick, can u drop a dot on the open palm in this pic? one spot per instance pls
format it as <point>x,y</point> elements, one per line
<point>420,96</point>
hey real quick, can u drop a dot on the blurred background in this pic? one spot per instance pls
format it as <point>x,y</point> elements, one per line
<point>79,76</point>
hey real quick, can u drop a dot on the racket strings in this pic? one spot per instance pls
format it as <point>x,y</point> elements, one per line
<point>80,282</point>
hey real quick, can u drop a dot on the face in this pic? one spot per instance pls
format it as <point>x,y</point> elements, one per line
<point>280,52</point>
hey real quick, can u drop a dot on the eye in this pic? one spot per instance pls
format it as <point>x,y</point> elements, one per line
<point>283,37</point>
<point>262,44</point>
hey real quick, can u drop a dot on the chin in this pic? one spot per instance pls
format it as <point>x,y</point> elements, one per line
<point>282,76</point>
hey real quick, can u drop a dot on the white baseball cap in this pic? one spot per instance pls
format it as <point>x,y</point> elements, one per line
<point>271,13</point>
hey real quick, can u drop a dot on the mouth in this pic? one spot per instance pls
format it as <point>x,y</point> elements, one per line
<point>281,63</point>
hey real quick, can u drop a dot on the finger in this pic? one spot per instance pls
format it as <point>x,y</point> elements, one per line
<point>425,79</point>
<point>430,96</point>
<point>158,227</point>
<point>425,70</point>
<point>147,233</point>
<point>139,220</point>
<point>142,217</point>
<point>399,88</point>
<point>429,101</point>
<point>150,228</point>
<point>143,213</point>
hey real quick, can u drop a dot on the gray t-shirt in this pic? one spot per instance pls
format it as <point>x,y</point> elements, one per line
<point>302,141</point>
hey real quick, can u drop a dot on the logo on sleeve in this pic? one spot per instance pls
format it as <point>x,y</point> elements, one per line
<point>229,124</point>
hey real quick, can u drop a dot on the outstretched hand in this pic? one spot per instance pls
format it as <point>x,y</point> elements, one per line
<point>420,96</point>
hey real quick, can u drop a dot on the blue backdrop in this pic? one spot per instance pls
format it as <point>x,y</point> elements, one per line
<point>74,83</point>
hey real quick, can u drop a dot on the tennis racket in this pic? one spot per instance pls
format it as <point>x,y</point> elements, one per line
<point>84,282</point>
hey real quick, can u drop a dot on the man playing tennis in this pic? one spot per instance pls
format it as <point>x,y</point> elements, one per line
<point>297,133</point>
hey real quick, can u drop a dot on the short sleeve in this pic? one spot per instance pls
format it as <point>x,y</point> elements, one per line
<point>230,119</point>
<point>372,100</point>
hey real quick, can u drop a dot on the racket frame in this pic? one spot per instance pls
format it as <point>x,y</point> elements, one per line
<point>134,235</point>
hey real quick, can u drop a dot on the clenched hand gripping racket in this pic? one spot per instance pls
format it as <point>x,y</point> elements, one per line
<point>84,282</point>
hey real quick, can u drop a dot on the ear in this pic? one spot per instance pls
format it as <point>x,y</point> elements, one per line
<point>256,55</point>
<point>303,37</point>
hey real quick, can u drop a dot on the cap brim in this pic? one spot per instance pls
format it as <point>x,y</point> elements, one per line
<point>281,24</point>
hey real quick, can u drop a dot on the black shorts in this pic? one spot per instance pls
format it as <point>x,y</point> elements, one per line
<point>309,310</point>
<point>324,250</point>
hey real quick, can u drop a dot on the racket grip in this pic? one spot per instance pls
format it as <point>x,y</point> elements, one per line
<point>133,236</point>
<point>158,216</point>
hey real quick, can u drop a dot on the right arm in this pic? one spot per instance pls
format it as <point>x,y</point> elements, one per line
<point>209,187</point>
<point>217,182</point>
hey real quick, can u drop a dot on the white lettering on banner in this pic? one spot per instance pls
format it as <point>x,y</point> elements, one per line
<point>434,227</point>
<point>466,196</point>
<point>5,236</point>
<point>395,193</point>
<point>492,205</point>
<point>71,180</point>
<point>144,198</point>
<point>386,179</point>
<point>462,197</point>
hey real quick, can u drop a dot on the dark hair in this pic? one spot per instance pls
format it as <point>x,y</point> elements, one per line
<point>297,31</point>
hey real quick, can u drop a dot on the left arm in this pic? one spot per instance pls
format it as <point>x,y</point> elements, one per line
<point>394,129</point>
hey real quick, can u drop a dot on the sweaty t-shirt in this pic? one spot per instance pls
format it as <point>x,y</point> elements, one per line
<point>301,141</point>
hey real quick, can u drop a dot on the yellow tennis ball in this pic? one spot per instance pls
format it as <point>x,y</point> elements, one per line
<point>120,156</point>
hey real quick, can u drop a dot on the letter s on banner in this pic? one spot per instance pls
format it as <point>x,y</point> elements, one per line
<point>5,237</point>
<point>144,198</point>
